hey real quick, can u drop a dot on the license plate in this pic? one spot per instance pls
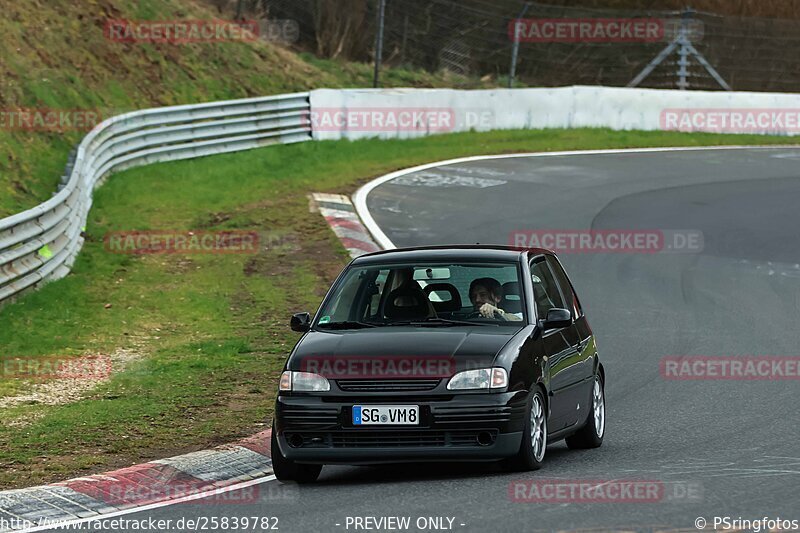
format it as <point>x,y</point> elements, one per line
<point>390,415</point>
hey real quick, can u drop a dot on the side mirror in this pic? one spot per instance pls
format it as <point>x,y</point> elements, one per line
<point>557,318</point>
<point>300,322</point>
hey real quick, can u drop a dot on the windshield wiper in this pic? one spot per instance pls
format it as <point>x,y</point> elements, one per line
<point>346,324</point>
<point>440,322</point>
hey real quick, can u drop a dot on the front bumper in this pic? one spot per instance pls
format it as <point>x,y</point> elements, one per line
<point>319,429</point>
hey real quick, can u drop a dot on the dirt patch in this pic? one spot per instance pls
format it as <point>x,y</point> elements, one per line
<point>69,386</point>
<point>213,219</point>
<point>180,265</point>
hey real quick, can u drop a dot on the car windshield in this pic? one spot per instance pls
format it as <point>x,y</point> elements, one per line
<point>432,295</point>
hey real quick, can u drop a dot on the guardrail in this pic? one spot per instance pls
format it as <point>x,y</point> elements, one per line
<point>617,108</point>
<point>41,244</point>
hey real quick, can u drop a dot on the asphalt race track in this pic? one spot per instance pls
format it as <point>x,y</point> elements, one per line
<point>717,447</point>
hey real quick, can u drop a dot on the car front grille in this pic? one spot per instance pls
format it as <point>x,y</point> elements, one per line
<point>304,416</point>
<point>387,385</point>
<point>387,439</point>
<point>376,439</point>
<point>472,415</point>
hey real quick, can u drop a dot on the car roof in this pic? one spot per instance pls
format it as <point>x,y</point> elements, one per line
<point>458,252</point>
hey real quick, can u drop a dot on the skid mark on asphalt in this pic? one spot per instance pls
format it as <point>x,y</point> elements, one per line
<point>435,179</point>
<point>774,466</point>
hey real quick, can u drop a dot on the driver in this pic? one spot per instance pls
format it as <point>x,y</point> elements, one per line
<point>486,295</point>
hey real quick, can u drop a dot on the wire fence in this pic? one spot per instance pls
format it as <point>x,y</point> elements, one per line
<point>558,44</point>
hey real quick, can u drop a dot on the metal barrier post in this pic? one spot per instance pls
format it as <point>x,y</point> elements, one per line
<point>515,47</point>
<point>379,43</point>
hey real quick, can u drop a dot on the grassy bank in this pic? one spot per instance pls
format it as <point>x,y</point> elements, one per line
<point>198,340</point>
<point>54,55</point>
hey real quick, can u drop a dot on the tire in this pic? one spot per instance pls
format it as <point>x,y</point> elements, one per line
<point>592,433</point>
<point>534,439</point>
<point>287,470</point>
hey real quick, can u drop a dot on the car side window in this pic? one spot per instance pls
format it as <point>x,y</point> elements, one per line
<point>566,288</point>
<point>339,309</point>
<point>545,289</point>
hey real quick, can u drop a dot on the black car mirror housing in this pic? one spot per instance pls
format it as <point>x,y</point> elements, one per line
<point>300,322</point>
<point>557,318</point>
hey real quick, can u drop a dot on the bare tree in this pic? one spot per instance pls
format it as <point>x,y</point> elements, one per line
<point>339,27</point>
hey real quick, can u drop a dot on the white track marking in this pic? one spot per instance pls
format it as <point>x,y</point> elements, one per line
<point>150,507</point>
<point>360,197</point>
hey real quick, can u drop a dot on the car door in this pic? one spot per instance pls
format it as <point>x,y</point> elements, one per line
<point>583,333</point>
<point>560,345</point>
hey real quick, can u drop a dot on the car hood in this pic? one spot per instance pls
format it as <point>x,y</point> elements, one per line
<point>453,349</point>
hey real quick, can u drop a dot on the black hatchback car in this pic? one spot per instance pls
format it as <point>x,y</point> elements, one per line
<point>436,354</point>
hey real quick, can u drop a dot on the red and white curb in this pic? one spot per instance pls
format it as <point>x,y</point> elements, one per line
<point>217,476</point>
<point>341,216</point>
<point>223,475</point>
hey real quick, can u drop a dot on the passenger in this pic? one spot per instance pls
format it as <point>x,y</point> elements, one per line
<point>486,295</point>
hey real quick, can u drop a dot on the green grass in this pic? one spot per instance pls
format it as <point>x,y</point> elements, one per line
<point>70,65</point>
<point>211,330</point>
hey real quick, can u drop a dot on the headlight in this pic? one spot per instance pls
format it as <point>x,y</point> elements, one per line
<point>483,378</point>
<point>303,382</point>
